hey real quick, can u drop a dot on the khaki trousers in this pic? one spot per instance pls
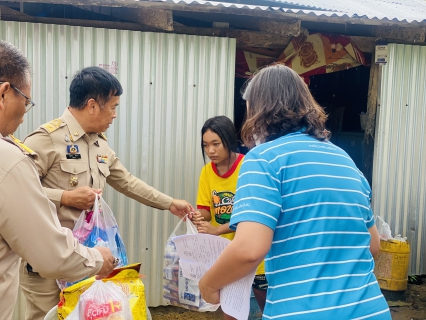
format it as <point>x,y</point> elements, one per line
<point>41,294</point>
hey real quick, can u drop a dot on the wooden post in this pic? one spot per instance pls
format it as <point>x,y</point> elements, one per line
<point>370,127</point>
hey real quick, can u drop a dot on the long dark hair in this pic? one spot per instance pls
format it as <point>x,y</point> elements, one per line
<point>279,102</point>
<point>225,129</point>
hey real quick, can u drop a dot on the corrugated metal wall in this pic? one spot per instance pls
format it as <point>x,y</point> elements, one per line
<point>172,84</point>
<point>399,171</point>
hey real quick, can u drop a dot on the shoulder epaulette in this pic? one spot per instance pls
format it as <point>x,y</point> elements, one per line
<point>102,136</point>
<point>52,125</point>
<point>26,150</point>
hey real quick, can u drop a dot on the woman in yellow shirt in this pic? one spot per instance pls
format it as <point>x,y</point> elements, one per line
<point>217,186</point>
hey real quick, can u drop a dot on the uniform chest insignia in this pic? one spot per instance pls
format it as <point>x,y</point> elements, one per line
<point>102,158</point>
<point>73,181</point>
<point>73,149</point>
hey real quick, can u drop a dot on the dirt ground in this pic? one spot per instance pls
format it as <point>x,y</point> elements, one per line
<point>409,304</point>
<point>405,305</point>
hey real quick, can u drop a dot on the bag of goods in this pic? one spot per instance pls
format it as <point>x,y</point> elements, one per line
<point>178,290</point>
<point>127,279</point>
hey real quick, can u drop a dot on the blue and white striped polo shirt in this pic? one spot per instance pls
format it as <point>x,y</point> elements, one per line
<point>318,204</point>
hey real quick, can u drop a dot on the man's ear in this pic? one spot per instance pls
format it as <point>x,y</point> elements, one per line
<point>91,106</point>
<point>4,88</point>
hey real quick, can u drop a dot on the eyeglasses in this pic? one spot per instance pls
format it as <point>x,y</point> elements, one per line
<point>30,103</point>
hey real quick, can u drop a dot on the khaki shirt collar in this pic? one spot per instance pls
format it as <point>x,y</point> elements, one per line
<point>75,129</point>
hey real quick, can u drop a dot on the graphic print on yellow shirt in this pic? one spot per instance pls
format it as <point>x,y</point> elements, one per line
<point>223,203</point>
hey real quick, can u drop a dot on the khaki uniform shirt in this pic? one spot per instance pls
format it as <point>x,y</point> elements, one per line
<point>92,164</point>
<point>29,228</point>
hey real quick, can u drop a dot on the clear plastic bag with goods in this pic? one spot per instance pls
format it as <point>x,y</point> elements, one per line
<point>99,228</point>
<point>385,231</point>
<point>102,301</point>
<point>126,278</point>
<point>178,290</point>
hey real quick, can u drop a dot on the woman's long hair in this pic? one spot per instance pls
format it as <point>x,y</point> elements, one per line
<point>279,102</point>
<point>225,129</point>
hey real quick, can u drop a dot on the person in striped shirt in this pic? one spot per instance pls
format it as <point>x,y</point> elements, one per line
<point>309,207</point>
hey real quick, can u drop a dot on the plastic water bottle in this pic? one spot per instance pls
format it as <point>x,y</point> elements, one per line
<point>101,243</point>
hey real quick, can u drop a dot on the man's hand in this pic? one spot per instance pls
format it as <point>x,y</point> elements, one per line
<point>180,208</point>
<point>82,198</point>
<point>109,262</point>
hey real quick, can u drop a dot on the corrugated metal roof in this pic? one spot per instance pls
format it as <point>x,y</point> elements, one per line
<point>397,10</point>
<point>380,10</point>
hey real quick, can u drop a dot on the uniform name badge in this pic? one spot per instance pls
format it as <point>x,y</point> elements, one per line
<point>72,152</point>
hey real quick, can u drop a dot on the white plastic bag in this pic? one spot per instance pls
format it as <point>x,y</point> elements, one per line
<point>178,290</point>
<point>102,301</point>
<point>384,229</point>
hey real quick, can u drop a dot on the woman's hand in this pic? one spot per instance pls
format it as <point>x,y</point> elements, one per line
<point>210,295</point>
<point>206,227</point>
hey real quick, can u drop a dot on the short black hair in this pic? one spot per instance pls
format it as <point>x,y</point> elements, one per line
<point>225,129</point>
<point>14,66</point>
<point>93,83</point>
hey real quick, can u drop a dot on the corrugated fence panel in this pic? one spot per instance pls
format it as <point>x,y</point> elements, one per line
<point>172,84</point>
<point>399,188</point>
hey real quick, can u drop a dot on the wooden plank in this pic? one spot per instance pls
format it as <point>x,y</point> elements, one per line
<point>408,34</point>
<point>243,37</point>
<point>259,39</point>
<point>157,18</point>
<point>289,27</point>
<point>270,52</point>
<point>279,27</point>
<point>365,44</point>
<point>370,127</point>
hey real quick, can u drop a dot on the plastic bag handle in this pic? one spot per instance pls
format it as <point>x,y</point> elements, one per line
<point>190,227</point>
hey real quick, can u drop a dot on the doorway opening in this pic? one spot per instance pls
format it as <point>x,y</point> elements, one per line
<point>343,95</point>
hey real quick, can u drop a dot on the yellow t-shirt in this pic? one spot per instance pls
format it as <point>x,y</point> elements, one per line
<point>261,268</point>
<point>216,193</point>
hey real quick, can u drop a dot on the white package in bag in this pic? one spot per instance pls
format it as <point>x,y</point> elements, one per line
<point>178,290</point>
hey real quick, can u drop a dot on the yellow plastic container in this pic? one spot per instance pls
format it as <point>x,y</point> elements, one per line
<point>391,265</point>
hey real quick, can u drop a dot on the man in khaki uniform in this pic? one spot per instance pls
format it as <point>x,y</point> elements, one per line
<point>29,226</point>
<point>75,162</point>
